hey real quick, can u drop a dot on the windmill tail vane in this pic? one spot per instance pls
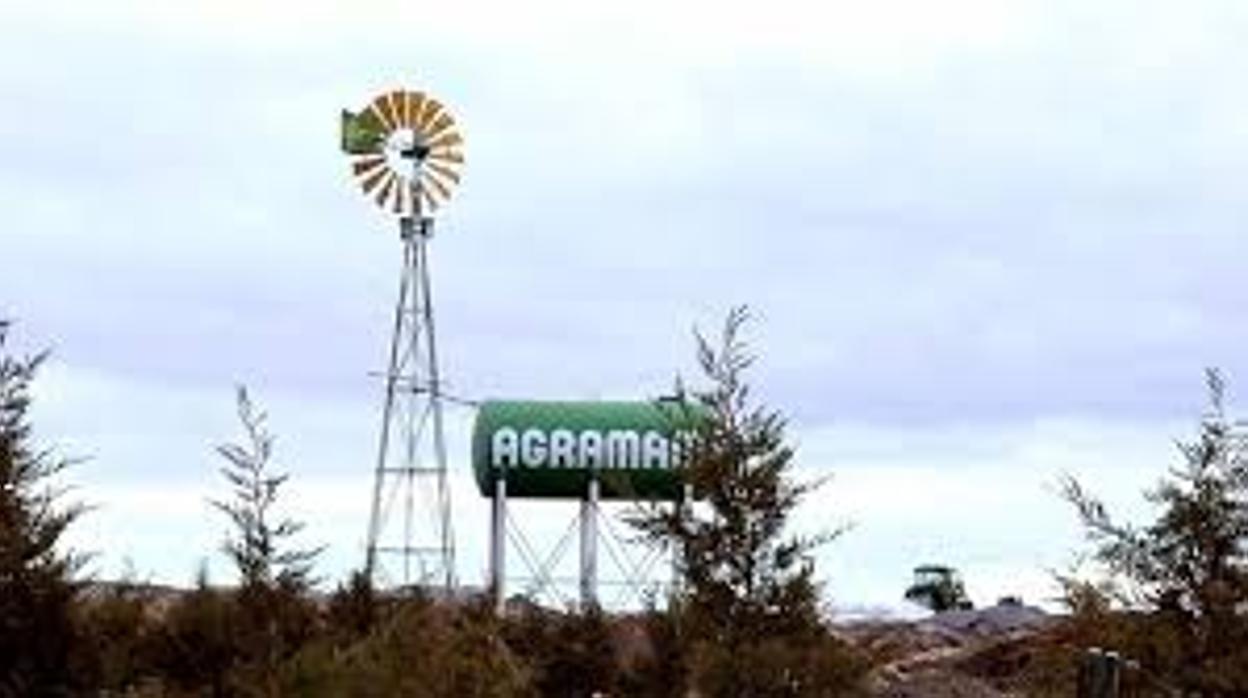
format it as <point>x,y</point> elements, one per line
<point>362,134</point>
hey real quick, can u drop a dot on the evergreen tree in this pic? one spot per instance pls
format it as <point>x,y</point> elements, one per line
<point>36,586</point>
<point>426,649</point>
<point>354,608</point>
<point>748,615</point>
<point>195,646</point>
<point>260,548</point>
<point>275,616</point>
<point>1188,569</point>
<point>117,636</point>
<point>570,653</point>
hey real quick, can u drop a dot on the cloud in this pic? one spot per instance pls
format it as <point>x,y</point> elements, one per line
<point>981,497</point>
<point>956,223</point>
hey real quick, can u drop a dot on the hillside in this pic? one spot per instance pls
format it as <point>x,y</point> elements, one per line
<point>976,653</point>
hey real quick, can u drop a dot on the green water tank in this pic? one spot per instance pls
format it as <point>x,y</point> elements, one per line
<point>550,449</point>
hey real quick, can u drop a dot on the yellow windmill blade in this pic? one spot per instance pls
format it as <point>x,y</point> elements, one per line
<point>446,155</point>
<point>447,139</point>
<point>397,202</point>
<point>443,192</point>
<point>383,195</point>
<point>426,116</point>
<point>422,194</point>
<point>398,109</point>
<point>381,106</point>
<point>440,125</point>
<point>415,103</point>
<point>369,183</point>
<point>443,171</point>
<point>365,165</point>
<point>406,152</point>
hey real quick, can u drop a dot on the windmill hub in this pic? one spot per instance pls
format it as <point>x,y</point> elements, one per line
<point>406,144</point>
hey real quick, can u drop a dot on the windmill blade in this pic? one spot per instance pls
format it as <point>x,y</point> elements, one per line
<point>397,98</point>
<point>444,171</point>
<point>413,196</point>
<point>401,101</point>
<point>381,106</point>
<point>446,155</point>
<point>431,204</point>
<point>384,193</point>
<point>443,122</point>
<point>415,102</point>
<point>364,165</point>
<point>449,139</point>
<point>369,183</point>
<point>398,198</point>
<point>431,110</point>
<point>398,108</point>
<point>443,191</point>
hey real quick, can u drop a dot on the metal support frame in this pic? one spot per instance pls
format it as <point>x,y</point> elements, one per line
<point>630,574</point>
<point>411,457</point>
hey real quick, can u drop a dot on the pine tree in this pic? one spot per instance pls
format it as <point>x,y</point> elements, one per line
<point>36,579</point>
<point>276,618</point>
<point>1188,569</point>
<point>748,615</point>
<point>260,548</point>
<point>195,646</point>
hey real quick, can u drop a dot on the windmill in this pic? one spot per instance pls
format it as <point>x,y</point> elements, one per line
<point>406,155</point>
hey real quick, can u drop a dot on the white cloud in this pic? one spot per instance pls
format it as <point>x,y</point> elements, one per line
<point>980,497</point>
<point>985,239</point>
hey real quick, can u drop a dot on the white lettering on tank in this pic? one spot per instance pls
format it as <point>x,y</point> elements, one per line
<point>622,449</point>
<point>654,451</point>
<point>505,448</point>
<point>589,453</point>
<point>562,449</point>
<point>533,448</point>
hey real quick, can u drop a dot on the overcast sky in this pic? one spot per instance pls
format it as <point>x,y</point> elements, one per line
<point>986,242</point>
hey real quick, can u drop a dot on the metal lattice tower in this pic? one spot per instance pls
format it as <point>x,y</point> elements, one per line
<point>406,155</point>
<point>411,458</point>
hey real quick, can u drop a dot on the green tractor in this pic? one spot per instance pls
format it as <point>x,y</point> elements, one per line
<point>939,588</point>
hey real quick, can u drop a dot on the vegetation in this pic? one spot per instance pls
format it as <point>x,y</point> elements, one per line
<point>274,617</point>
<point>259,548</point>
<point>1175,593</point>
<point>37,593</point>
<point>746,622</point>
<point>748,618</point>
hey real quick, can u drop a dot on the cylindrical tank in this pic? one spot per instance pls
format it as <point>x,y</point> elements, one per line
<point>548,449</point>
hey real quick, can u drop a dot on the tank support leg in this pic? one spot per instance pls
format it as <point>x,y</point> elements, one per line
<point>589,545</point>
<point>498,545</point>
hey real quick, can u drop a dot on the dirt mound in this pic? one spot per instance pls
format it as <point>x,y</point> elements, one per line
<point>989,622</point>
<point>942,655</point>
